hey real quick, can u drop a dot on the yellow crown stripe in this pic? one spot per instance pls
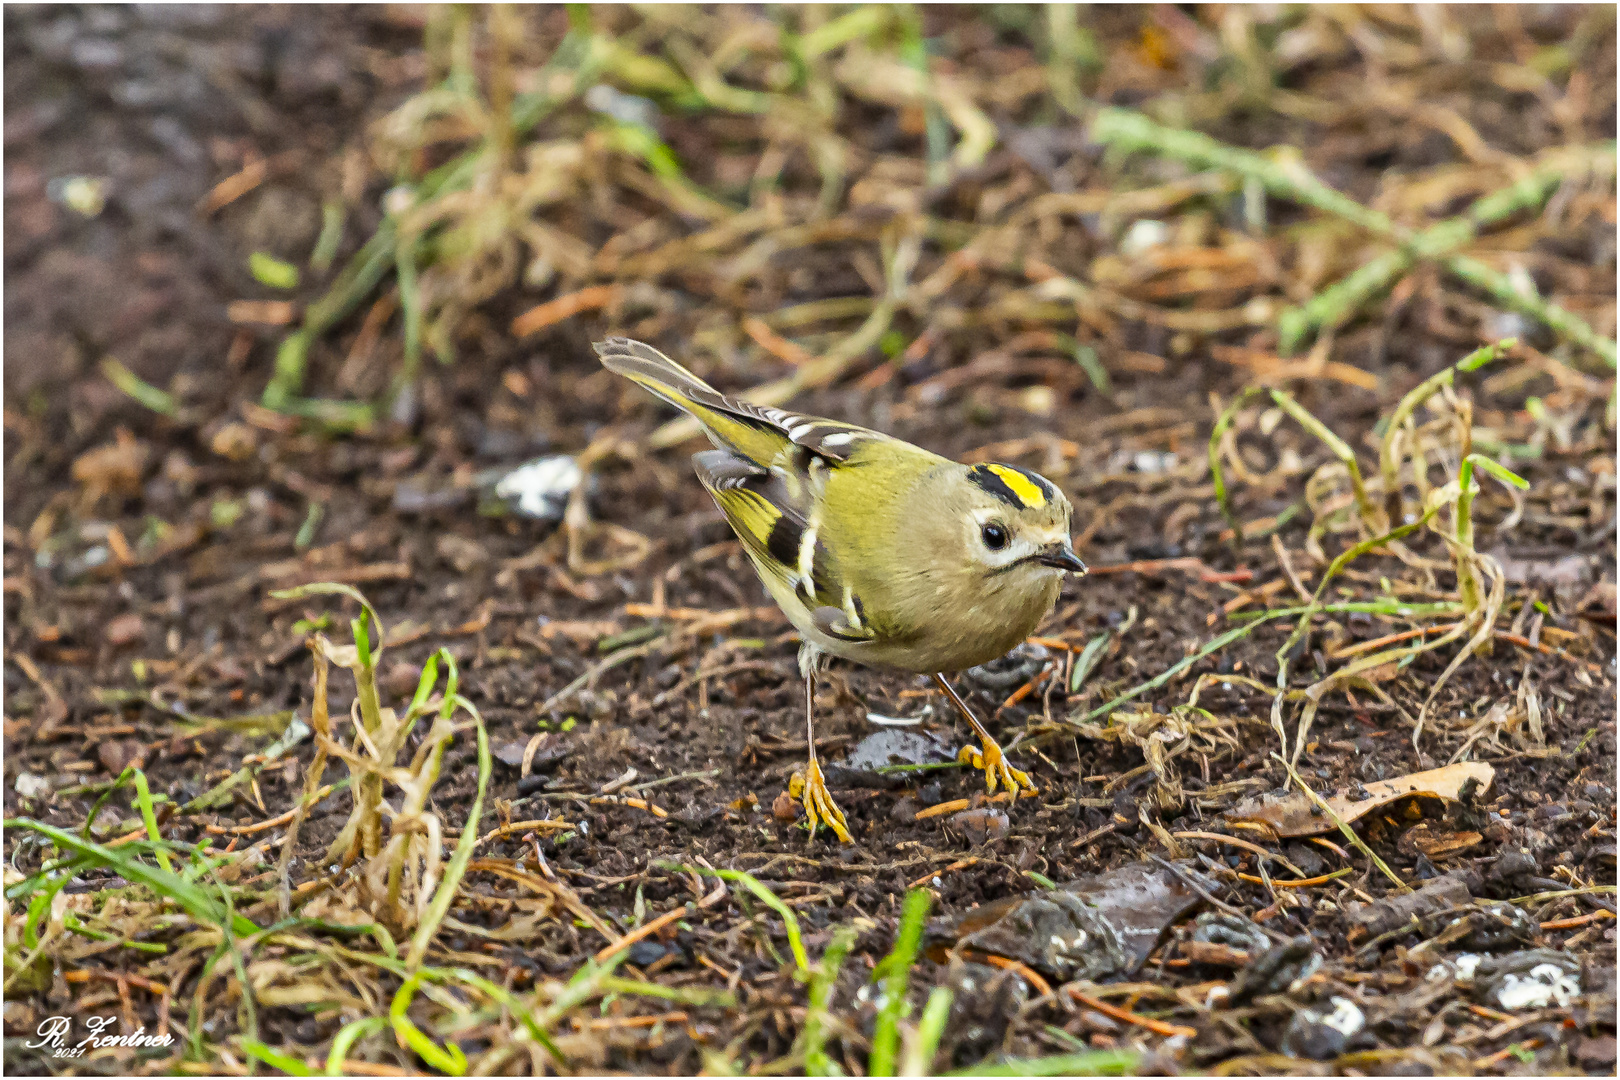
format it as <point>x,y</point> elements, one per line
<point>1029,493</point>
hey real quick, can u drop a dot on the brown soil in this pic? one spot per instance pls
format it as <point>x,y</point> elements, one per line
<point>106,651</point>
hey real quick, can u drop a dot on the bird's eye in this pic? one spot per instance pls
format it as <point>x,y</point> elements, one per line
<point>994,536</point>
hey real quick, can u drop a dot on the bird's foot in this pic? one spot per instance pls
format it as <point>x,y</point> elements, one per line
<point>809,787</point>
<point>993,763</point>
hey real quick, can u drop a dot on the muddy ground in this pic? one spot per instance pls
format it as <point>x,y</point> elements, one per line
<point>138,589</point>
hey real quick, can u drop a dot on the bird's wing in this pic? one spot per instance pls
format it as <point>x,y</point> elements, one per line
<point>776,523</point>
<point>763,434</point>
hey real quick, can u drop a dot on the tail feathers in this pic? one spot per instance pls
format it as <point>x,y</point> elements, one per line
<point>646,365</point>
<point>764,435</point>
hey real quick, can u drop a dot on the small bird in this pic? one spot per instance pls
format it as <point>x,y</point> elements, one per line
<point>877,551</point>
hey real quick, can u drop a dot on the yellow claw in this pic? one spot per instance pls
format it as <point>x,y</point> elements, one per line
<point>811,788</point>
<point>993,763</point>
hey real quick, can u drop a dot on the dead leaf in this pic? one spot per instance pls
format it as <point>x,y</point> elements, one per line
<point>268,312</point>
<point>1435,845</point>
<point>113,469</point>
<point>582,632</point>
<point>1599,603</point>
<point>1295,815</point>
<point>463,554</point>
<point>235,441</point>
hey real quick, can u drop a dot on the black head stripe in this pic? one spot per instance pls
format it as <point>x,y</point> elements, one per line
<point>1016,487</point>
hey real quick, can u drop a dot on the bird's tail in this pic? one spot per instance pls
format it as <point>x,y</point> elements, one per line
<point>744,429</point>
<point>646,365</point>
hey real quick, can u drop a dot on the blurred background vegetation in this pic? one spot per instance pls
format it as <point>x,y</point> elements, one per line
<point>790,190</point>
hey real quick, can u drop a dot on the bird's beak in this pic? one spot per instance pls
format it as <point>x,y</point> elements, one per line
<point>1062,557</point>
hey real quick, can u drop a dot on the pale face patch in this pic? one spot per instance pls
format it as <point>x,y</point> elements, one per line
<point>1017,546</point>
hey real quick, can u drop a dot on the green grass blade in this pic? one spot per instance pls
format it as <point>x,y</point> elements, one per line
<point>143,798</point>
<point>895,972</point>
<point>159,401</point>
<point>703,999</point>
<point>1091,1063</point>
<point>813,1036</point>
<point>286,1063</point>
<point>347,1036</point>
<point>795,941</point>
<point>38,906</point>
<point>506,1000</point>
<point>333,588</point>
<point>1216,475</point>
<point>123,778</point>
<point>191,897</point>
<point>440,904</point>
<point>447,1059</point>
<point>919,1057</point>
<point>1501,472</point>
<point>271,271</point>
<point>1087,660</point>
<point>1175,669</point>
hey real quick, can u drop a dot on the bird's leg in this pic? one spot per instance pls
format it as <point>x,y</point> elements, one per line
<point>809,785</point>
<point>991,760</point>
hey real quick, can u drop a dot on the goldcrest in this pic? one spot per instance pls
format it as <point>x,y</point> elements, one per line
<point>877,551</point>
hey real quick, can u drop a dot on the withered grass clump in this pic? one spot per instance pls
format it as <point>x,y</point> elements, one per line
<point>403,882</point>
<point>1381,516</point>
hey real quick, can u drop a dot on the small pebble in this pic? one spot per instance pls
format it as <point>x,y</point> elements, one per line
<point>125,630</point>
<point>116,755</point>
<point>646,953</point>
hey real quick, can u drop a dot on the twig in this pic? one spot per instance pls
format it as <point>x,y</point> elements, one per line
<point>280,819</point>
<point>1578,920</point>
<point>555,311</point>
<point>962,804</point>
<point>1158,1027</point>
<point>597,670</point>
<point>1526,643</point>
<point>648,929</point>
<point>1288,569</point>
<point>1233,841</point>
<point>1095,834</point>
<point>700,775</point>
<point>775,344</point>
<point>1029,974</point>
<point>1154,566</point>
<point>1506,1052</point>
<point>525,826</point>
<point>1028,688</point>
<point>1320,879</point>
<point>959,864</point>
<point>1392,639</point>
<point>1218,904</point>
<point>639,804</point>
